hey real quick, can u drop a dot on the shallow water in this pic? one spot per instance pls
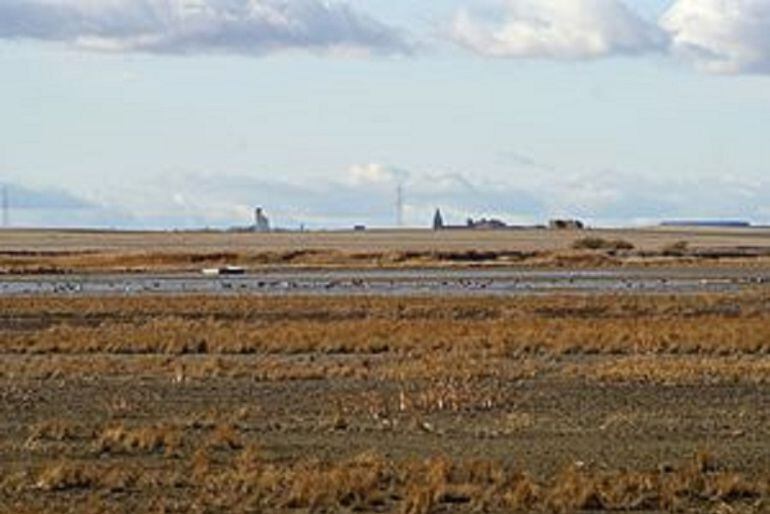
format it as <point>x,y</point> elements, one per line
<point>395,282</point>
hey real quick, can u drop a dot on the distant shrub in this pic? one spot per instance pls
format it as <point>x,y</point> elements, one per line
<point>599,243</point>
<point>677,249</point>
<point>589,243</point>
<point>621,244</point>
<point>562,224</point>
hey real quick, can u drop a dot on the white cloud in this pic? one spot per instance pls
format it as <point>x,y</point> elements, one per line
<point>251,27</point>
<point>722,36</point>
<point>619,197</point>
<point>28,198</point>
<point>719,36</point>
<point>361,194</point>
<point>374,173</point>
<point>559,29</point>
<point>55,207</point>
<point>190,200</point>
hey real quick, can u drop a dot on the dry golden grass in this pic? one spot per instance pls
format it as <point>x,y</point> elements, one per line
<point>677,370</point>
<point>371,482</point>
<point>225,437</point>
<point>443,327</point>
<point>62,477</point>
<point>176,336</point>
<point>444,379</point>
<point>120,439</point>
<point>62,241</point>
<point>68,252</point>
<point>261,404</point>
<point>54,430</point>
<point>657,338</point>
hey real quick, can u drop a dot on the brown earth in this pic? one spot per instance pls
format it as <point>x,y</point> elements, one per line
<point>259,404</point>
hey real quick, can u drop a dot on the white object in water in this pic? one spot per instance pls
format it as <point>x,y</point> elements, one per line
<point>224,270</point>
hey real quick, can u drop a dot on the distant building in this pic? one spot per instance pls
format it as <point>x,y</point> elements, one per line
<point>470,224</point>
<point>261,222</point>
<point>438,220</point>
<point>566,224</point>
<point>707,223</point>
<point>486,224</point>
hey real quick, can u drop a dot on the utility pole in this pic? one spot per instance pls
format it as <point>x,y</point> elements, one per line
<point>400,205</point>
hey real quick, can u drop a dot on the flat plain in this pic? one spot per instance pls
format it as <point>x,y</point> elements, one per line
<point>372,240</point>
<point>74,251</point>
<point>558,402</point>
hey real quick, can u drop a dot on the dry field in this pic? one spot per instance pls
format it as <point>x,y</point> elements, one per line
<point>41,251</point>
<point>410,405</point>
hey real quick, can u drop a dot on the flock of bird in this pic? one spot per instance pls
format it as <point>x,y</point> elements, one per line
<point>500,284</point>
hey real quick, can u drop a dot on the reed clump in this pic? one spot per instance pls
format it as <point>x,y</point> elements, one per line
<point>373,483</point>
<point>121,439</point>
<point>713,325</point>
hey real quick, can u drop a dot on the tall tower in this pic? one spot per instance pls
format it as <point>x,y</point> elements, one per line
<point>261,222</point>
<point>400,205</point>
<point>438,220</point>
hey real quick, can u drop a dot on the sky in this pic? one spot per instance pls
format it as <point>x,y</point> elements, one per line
<point>190,113</point>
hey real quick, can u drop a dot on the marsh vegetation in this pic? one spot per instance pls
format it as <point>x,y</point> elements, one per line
<point>241,403</point>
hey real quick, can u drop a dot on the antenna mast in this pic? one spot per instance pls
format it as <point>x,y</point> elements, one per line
<point>400,205</point>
